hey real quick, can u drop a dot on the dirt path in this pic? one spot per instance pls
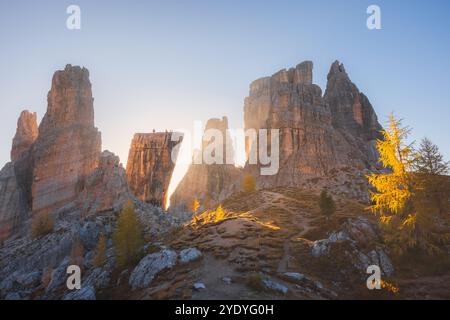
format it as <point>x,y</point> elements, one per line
<point>301,221</point>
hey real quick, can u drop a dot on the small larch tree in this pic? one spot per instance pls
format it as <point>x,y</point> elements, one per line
<point>128,236</point>
<point>195,206</point>
<point>326,204</point>
<point>248,183</point>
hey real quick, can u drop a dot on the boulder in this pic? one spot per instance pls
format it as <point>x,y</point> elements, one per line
<point>85,293</point>
<point>189,255</point>
<point>149,267</point>
<point>199,286</point>
<point>106,189</point>
<point>275,286</point>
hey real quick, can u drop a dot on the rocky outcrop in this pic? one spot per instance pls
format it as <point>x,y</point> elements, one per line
<point>357,246</point>
<point>16,177</point>
<point>106,188</point>
<point>150,266</point>
<point>26,134</point>
<point>351,110</point>
<point>209,183</point>
<point>316,136</point>
<point>68,147</point>
<point>189,255</point>
<point>151,161</point>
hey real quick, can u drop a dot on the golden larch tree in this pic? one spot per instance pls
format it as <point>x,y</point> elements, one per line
<point>407,220</point>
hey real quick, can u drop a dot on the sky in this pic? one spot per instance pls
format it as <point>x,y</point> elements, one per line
<point>165,64</point>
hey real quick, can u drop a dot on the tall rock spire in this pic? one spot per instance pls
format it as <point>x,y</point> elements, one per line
<point>350,109</point>
<point>68,147</point>
<point>26,134</point>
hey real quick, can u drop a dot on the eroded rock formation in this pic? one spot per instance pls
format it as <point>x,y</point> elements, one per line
<point>106,189</point>
<point>26,134</point>
<point>209,183</point>
<point>151,161</point>
<point>68,147</point>
<point>318,134</point>
<point>351,110</point>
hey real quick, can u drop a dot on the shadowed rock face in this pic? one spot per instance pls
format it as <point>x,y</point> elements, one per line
<point>150,166</point>
<point>16,177</point>
<point>13,202</point>
<point>106,188</point>
<point>209,183</point>
<point>351,110</point>
<point>318,134</point>
<point>68,147</point>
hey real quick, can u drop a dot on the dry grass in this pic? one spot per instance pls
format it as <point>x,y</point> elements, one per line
<point>42,224</point>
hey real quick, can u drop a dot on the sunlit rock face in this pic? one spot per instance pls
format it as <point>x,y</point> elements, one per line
<point>318,134</point>
<point>151,161</point>
<point>68,147</point>
<point>209,183</point>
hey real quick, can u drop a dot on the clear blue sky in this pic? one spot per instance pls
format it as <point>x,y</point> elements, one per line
<point>164,64</point>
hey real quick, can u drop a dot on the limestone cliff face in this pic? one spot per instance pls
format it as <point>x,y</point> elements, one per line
<point>26,134</point>
<point>150,166</point>
<point>16,177</point>
<point>68,147</point>
<point>209,183</point>
<point>13,203</point>
<point>351,110</point>
<point>318,134</point>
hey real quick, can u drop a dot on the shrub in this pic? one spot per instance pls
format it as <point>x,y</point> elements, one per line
<point>41,224</point>
<point>255,281</point>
